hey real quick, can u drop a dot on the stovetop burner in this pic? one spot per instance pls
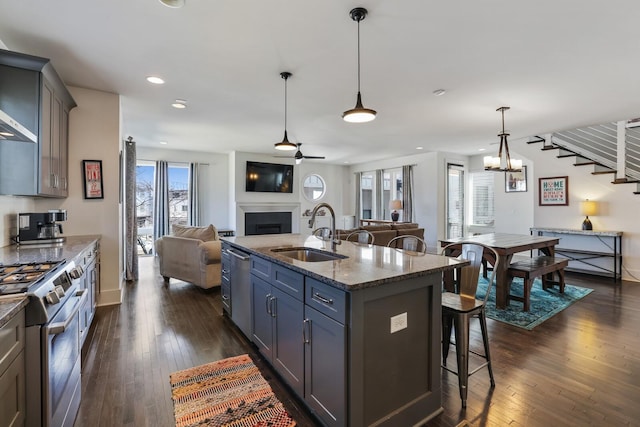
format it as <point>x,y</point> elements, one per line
<point>17,278</point>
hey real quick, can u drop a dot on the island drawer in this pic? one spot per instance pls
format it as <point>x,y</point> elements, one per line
<point>326,299</point>
<point>261,267</point>
<point>288,281</point>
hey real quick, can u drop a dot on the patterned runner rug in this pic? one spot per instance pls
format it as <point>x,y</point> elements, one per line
<point>227,393</point>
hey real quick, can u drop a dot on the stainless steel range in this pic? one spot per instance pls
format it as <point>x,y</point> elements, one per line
<point>52,338</point>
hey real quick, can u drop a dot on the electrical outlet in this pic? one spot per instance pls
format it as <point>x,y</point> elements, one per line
<point>398,322</point>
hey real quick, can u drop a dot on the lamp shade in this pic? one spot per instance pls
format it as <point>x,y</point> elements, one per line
<point>396,204</point>
<point>589,207</point>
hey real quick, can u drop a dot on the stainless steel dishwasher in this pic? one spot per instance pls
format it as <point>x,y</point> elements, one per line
<point>240,290</point>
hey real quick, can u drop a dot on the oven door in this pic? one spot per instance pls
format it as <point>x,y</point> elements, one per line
<point>61,363</point>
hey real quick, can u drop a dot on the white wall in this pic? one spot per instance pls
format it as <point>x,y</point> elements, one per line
<point>513,211</point>
<point>94,134</point>
<point>10,206</point>
<point>337,179</point>
<point>214,180</point>
<point>619,206</point>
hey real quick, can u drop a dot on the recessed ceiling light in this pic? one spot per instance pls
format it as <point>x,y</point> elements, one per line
<point>419,148</point>
<point>179,103</point>
<point>175,4</point>
<point>482,149</point>
<point>163,142</point>
<point>155,80</point>
<point>439,92</point>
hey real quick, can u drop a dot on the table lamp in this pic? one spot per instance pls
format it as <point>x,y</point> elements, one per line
<point>588,207</point>
<point>395,205</point>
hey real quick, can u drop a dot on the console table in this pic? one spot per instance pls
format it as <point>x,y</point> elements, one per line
<point>589,251</point>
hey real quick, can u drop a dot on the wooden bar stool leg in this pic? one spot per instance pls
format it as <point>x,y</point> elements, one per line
<point>461,326</point>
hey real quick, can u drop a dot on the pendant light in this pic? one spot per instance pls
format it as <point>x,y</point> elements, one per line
<point>502,163</point>
<point>359,114</point>
<point>174,4</point>
<point>285,145</point>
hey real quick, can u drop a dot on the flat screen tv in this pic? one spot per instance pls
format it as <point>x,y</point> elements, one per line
<point>269,177</point>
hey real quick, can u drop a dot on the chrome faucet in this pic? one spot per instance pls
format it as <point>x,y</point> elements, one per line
<point>334,239</point>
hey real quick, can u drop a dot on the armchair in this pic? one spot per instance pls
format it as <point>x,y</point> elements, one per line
<point>191,254</point>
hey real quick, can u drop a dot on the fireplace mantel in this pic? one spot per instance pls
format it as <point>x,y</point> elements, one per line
<point>246,207</point>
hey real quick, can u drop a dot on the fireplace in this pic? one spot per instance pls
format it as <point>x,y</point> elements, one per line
<point>267,223</point>
<point>264,208</point>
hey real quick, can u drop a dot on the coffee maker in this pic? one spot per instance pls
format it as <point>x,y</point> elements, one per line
<point>38,228</point>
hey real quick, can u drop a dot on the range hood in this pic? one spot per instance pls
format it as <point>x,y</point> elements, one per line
<point>12,130</point>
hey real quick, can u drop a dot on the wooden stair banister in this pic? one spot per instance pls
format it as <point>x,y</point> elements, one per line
<point>581,160</point>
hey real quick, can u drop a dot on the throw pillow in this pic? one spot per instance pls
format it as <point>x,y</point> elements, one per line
<point>201,233</point>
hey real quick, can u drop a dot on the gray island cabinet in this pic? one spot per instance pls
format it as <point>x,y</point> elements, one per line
<point>357,338</point>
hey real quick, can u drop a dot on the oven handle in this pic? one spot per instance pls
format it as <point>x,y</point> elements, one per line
<point>59,327</point>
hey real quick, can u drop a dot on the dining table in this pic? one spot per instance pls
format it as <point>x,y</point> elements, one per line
<point>506,245</point>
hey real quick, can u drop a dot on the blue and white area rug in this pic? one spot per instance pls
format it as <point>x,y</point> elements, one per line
<point>543,304</point>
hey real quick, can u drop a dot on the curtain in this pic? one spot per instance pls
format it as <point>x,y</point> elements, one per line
<point>379,197</point>
<point>358,199</point>
<point>131,225</point>
<point>194,201</point>
<point>407,193</point>
<point>161,201</point>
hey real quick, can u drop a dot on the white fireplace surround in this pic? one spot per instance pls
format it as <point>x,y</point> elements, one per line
<point>242,208</point>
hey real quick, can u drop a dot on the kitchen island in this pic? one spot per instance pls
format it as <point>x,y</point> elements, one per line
<point>356,337</point>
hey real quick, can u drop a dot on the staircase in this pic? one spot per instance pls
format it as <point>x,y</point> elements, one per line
<point>597,146</point>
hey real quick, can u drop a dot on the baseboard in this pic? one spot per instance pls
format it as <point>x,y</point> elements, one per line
<point>110,297</point>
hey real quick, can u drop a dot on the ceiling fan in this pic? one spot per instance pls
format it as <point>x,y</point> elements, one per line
<point>299,156</point>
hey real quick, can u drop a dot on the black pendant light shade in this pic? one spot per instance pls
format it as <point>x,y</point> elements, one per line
<point>285,145</point>
<point>359,114</point>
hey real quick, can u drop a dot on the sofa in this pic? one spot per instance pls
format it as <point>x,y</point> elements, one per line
<point>383,233</point>
<point>191,254</point>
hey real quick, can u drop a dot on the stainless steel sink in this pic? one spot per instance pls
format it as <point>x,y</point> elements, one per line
<point>308,254</point>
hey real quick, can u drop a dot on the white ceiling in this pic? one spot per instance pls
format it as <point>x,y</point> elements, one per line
<point>557,64</point>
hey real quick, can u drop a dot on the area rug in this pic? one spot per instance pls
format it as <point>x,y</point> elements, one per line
<point>543,304</point>
<point>227,393</point>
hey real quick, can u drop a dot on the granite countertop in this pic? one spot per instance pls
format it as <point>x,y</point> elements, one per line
<point>364,267</point>
<point>10,306</point>
<point>67,250</point>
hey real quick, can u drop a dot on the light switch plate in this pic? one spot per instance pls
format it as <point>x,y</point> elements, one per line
<point>399,322</point>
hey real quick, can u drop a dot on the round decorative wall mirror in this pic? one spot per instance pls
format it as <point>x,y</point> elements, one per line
<point>313,187</point>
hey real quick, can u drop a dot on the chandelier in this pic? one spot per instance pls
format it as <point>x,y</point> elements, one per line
<point>503,162</point>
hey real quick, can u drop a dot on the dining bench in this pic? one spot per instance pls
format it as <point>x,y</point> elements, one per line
<point>528,269</point>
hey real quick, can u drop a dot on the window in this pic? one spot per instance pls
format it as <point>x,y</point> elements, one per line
<point>482,204</point>
<point>367,195</point>
<point>178,194</point>
<point>392,190</point>
<point>375,201</point>
<point>145,193</point>
<point>313,187</point>
<point>455,201</point>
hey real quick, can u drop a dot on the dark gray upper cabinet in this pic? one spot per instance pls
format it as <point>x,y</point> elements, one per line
<point>32,93</point>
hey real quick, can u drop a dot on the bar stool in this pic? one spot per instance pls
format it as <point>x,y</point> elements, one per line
<point>361,237</point>
<point>408,242</point>
<point>459,308</point>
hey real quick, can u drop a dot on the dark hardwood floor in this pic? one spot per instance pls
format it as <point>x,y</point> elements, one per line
<point>581,367</point>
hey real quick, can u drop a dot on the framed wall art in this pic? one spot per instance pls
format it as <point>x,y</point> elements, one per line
<point>515,181</point>
<point>92,175</point>
<point>553,191</point>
